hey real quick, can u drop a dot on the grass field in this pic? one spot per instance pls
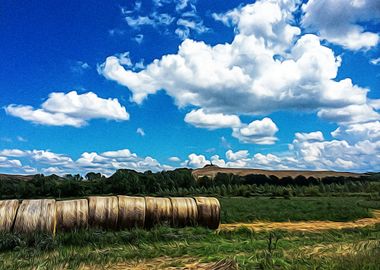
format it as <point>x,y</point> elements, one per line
<point>239,209</point>
<point>333,249</point>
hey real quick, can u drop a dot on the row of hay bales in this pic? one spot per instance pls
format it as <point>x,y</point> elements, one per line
<point>108,212</point>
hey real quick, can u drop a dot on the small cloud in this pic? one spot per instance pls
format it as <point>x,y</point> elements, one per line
<point>21,139</point>
<point>225,143</point>
<point>79,67</point>
<point>210,150</point>
<point>115,32</point>
<point>140,131</point>
<point>174,159</point>
<point>139,64</point>
<point>375,61</point>
<point>139,38</point>
<point>6,139</point>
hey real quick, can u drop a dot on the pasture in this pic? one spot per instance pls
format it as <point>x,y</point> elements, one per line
<point>164,247</point>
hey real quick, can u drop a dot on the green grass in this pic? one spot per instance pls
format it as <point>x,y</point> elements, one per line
<point>238,209</point>
<point>251,250</point>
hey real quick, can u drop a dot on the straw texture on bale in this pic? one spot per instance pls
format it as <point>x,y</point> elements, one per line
<point>36,216</point>
<point>131,212</point>
<point>103,212</point>
<point>158,211</point>
<point>208,212</point>
<point>72,214</point>
<point>8,210</point>
<point>185,212</point>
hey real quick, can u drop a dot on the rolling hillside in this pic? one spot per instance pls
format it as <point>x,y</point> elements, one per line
<point>212,170</point>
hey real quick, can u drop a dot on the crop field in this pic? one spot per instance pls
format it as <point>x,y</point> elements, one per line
<point>200,248</point>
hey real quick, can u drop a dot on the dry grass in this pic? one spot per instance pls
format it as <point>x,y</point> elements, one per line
<point>180,263</point>
<point>131,212</point>
<point>185,211</point>
<point>72,214</point>
<point>211,171</point>
<point>36,216</point>
<point>103,212</point>
<point>307,226</point>
<point>8,210</point>
<point>208,212</point>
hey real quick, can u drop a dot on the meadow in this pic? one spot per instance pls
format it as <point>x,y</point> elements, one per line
<point>163,247</point>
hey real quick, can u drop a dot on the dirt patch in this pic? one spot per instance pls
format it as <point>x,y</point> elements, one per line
<point>308,226</point>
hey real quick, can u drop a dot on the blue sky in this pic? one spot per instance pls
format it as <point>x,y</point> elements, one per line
<point>276,84</point>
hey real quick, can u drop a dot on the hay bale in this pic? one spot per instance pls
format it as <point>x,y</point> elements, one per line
<point>158,211</point>
<point>72,214</point>
<point>36,216</point>
<point>208,212</point>
<point>103,212</point>
<point>131,212</point>
<point>185,212</point>
<point>8,210</point>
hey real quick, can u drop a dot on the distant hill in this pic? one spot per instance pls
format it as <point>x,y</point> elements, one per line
<point>212,170</point>
<point>11,177</point>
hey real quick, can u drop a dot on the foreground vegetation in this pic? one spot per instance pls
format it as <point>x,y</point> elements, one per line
<point>344,249</point>
<point>333,249</point>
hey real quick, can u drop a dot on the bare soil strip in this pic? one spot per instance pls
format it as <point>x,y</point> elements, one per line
<point>308,226</point>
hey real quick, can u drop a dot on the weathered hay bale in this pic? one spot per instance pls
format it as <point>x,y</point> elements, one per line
<point>208,212</point>
<point>131,212</point>
<point>36,216</point>
<point>8,210</point>
<point>185,212</point>
<point>103,212</point>
<point>158,211</point>
<point>72,214</point>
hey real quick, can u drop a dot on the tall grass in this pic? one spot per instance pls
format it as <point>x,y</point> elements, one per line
<point>251,250</point>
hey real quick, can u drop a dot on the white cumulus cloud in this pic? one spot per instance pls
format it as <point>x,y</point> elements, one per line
<point>258,132</point>
<point>269,66</point>
<point>339,21</point>
<point>70,109</point>
<point>200,118</point>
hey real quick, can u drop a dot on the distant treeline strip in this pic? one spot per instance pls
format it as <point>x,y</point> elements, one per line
<point>107,212</point>
<point>170,183</point>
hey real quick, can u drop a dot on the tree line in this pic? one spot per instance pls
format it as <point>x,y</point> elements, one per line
<point>180,182</point>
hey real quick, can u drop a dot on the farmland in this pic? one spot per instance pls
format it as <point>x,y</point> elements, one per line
<point>163,247</point>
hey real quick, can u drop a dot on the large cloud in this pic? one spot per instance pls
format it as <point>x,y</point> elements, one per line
<point>338,21</point>
<point>44,161</point>
<point>71,109</point>
<point>268,67</point>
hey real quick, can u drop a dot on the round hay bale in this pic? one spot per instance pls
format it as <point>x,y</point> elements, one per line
<point>8,210</point>
<point>208,212</point>
<point>131,212</point>
<point>72,214</point>
<point>103,212</point>
<point>36,216</point>
<point>185,212</point>
<point>158,211</point>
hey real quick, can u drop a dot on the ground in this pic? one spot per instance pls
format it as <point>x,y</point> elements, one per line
<point>350,242</point>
